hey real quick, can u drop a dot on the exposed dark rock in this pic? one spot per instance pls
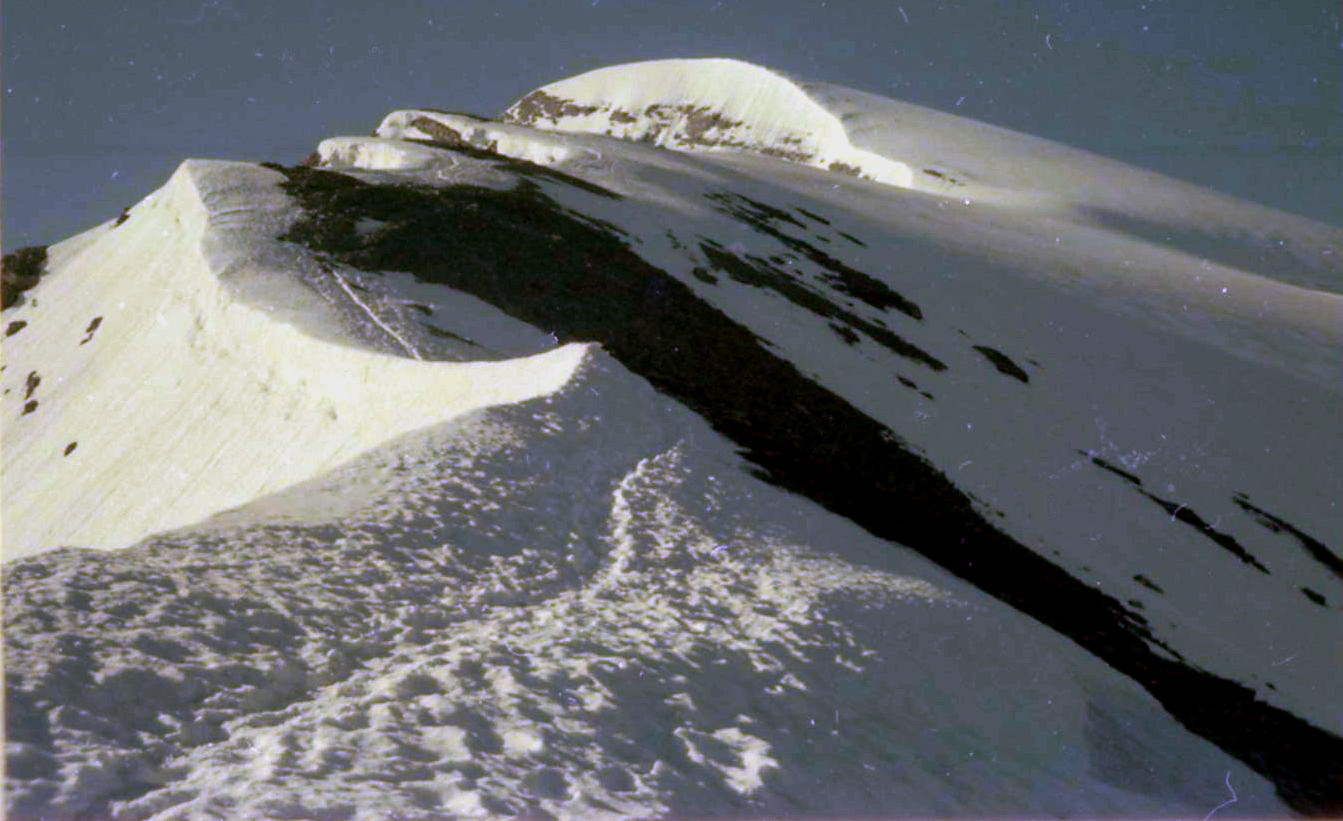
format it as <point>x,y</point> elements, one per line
<point>1004,365</point>
<point>1276,524</point>
<point>1185,514</point>
<point>845,168</point>
<point>540,105</point>
<point>447,135</point>
<point>94,324</point>
<point>850,281</point>
<point>1148,583</point>
<point>21,271</point>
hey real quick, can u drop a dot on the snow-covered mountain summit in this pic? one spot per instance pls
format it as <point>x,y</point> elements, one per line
<point>497,467</point>
<point>705,104</point>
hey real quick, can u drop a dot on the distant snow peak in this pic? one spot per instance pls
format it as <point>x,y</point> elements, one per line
<point>705,105</point>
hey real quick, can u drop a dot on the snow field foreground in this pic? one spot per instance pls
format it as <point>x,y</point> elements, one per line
<point>142,394</point>
<point>553,608</point>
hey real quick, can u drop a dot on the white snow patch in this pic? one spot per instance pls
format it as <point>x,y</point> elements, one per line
<point>754,758</point>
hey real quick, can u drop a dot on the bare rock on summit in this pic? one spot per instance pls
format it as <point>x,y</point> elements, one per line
<point>21,271</point>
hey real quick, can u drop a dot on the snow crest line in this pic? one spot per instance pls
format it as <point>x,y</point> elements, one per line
<point>405,343</point>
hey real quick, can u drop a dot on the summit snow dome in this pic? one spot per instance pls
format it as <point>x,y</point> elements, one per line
<point>708,104</point>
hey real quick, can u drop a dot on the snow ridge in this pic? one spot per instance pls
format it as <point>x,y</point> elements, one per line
<point>168,370</point>
<point>705,105</point>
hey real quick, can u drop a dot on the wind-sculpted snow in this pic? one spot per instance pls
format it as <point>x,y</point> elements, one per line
<point>979,496</point>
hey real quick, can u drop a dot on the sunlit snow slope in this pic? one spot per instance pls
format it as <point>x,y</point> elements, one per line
<point>132,408</point>
<point>851,458</point>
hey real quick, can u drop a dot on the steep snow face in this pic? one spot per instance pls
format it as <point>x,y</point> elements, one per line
<point>148,385</point>
<point>697,105</point>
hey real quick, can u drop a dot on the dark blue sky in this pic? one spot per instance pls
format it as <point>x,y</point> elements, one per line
<point>103,100</point>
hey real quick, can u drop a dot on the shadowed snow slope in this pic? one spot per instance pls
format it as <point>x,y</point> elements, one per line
<point>488,470</point>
